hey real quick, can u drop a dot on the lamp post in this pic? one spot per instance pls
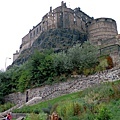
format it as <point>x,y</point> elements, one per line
<point>6,62</point>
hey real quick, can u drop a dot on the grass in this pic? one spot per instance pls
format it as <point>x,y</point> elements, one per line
<point>114,107</point>
<point>96,103</point>
<point>47,103</point>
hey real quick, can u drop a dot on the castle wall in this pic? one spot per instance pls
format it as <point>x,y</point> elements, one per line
<point>51,91</point>
<point>15,55</point>
<point>101,29</point>
<point>113,50</point>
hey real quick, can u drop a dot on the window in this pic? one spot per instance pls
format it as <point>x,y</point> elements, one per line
<point>34,34</point>
<point>30,35</point>
<point>40,28</point>
<point>37,31</point>
<point>74,19</point>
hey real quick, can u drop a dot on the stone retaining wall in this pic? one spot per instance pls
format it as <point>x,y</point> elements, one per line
<point>51,91</point>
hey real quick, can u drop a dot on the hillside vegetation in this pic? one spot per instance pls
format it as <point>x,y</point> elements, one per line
<point>56,39</point>
<point>97,103</point>
<point>48,67</point>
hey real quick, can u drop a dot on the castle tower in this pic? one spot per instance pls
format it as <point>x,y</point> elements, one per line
<point>101,29</point>
<point>102,32</point>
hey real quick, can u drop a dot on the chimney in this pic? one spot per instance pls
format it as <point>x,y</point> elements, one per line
<point>50,9</point>
<point>62,3</point>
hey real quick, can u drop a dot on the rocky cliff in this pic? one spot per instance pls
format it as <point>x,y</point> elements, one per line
<point>56,39</point>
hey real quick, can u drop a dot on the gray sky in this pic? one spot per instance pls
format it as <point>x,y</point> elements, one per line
<point>17,17</point>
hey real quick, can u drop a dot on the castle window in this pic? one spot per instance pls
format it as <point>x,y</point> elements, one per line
<point>75,22</point>
<point>37,31</point>
<point>74,19</point>
<point>30,35</point>
<point>40,28</point>
<point>34,34</point>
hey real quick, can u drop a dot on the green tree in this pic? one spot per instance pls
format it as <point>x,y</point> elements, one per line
<point>41,68</point>
<point>5,85</point>
<point>89,55</point>
<point>74,56</point>
<point>83,56</point>
<point>61,63</point>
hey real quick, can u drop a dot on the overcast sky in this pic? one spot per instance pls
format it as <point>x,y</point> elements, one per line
<point>17,17</point>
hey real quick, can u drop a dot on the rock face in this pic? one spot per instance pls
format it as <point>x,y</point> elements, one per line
<point>56,39</point>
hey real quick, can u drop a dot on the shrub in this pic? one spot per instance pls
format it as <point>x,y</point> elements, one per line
<point>6,106</point>
<point>36,111</point>
<point>104,114</point>
<point>110,62</point>
<point>67,110</point>
<point>74,118</point>
<point>48,109</point>
<point>32,116</point>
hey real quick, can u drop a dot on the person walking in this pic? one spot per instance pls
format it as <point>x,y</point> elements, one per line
<point>8,117</point>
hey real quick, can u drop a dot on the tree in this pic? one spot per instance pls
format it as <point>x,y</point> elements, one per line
<point>74,56</point>
<point>61,63</point>
<point>89,55</point>
<point>83,56</point>
<point>5,85</point>
<point>41,68</point>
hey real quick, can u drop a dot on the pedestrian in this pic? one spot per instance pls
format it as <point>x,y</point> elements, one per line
<point>8,117</point>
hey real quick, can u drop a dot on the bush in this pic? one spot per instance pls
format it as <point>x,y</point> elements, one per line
<point>67,110</point>
<point>104,114</point>
<point>110,62</point>
<point>36,111</point>
<point>33,116</point>
<point>6,106</point>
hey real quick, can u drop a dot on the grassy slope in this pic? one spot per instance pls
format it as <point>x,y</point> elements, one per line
<point>91,101</point>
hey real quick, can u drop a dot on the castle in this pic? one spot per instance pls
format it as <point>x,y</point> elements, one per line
<point>101,31</point>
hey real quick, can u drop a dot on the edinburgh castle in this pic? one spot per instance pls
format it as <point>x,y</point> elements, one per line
<point>101,32</point>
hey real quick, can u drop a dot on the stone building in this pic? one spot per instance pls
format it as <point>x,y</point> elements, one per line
<point>101,31</point>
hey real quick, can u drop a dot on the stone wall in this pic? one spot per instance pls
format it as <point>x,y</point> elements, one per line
<point>51,91</point>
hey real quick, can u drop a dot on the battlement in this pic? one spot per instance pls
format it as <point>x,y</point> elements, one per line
<point>100,20</point>
<point>63,4</point>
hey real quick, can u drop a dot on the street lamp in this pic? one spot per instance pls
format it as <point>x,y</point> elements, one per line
<point>6,61</point>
